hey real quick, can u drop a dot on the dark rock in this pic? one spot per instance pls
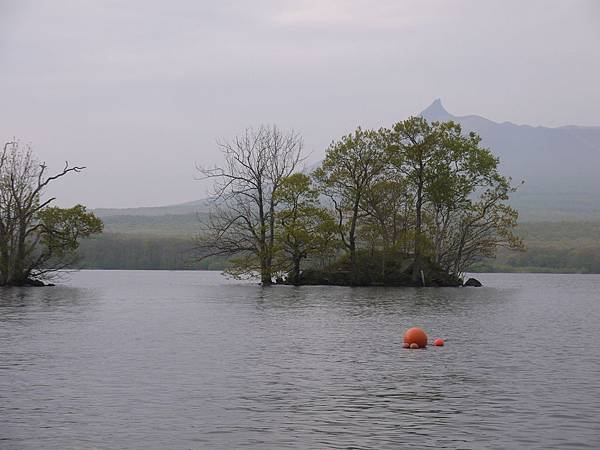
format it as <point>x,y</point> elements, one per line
<point>36,283</point>
<point>313,277</point>
<point>472,282</point>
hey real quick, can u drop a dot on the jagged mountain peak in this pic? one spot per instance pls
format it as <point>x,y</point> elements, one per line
<point>436,111</point>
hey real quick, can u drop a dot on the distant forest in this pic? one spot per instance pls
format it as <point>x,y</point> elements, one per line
<point>122,251</point>
<point>165,243</point>
<point>563,247</point>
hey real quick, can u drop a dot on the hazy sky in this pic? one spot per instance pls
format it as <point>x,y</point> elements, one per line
<point>138,91</point>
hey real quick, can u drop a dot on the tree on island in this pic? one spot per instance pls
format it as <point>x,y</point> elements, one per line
<point>386,223</point>
<point>411,147</point>
<point>304,227</point>
<point>350,168</point>
<point>415,204</point>
<point>36,239</point>
<point>445,170</point>
<point>242,223</point>
<point>478,229</point>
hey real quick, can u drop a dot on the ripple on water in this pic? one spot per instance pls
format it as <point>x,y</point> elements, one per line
<point>190,360</point>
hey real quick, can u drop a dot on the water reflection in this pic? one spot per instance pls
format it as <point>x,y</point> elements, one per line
<point>28,296</point>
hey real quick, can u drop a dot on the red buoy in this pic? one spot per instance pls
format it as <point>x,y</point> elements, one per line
<point>414,345</point>
<point>439,342</point>
<point>417,336</point>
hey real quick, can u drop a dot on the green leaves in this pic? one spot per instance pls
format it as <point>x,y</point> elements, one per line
<point>61,228</point>
<point>304,227</point>
<point>421,181</point>
<point>36,239</point>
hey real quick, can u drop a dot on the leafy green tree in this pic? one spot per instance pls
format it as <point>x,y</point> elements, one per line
<point>479,228</point>
<point>350,168</point>
<point>387,207</point>
<point>446,169</point>
<point>304,227</point>
<point>463,169</point>
<point>59,234</point>
<point>413,150</point>
<point>36,239</point>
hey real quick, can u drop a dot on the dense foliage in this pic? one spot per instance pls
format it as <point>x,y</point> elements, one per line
<point>304,228</point>
<point>419,198</point>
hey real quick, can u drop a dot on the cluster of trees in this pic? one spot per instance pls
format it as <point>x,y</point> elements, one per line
<point>36,239</point>
<point>421,192</point>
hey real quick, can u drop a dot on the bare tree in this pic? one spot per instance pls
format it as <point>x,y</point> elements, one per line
<point>242,222</point>
<point>35,239</point>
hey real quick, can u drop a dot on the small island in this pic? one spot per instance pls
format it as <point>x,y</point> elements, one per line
<point>397,271</point>
<point>415,204</point>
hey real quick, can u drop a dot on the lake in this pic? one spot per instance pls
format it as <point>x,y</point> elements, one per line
<point>187,360</point>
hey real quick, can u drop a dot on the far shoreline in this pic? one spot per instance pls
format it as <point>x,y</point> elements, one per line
<point>516,271</point>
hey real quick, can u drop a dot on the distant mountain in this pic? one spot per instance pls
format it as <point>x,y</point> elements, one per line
<point>197,206</point>
<point>560,166</point>
<point>181,220</point>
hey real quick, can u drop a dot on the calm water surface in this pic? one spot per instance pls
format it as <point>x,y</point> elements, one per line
<point>183,360</point>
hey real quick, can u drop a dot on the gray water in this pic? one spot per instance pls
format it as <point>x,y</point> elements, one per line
<point>186,360</point>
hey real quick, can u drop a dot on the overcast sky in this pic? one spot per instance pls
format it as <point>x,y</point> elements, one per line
<point>138,91</point>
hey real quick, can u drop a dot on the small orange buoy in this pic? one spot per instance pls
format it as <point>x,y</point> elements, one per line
<point>417,336</point>
<point>405,345</point>
<point>414,345</point>
<point>439,342</point>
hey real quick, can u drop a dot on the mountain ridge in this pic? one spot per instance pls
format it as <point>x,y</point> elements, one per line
<point>559,165</point>
<point>194,206</point>
<point>437,108</point>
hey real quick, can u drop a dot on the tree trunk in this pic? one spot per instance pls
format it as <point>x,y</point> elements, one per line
<point>4,263</point>
<point>19,274</point>
<point>296,273</point>
<point>417,262</point>
<point>271,240</point>
<point>352,240</point>
<point>265,265</point>
<point>265,277</point>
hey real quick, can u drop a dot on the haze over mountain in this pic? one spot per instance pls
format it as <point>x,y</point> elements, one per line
<point>138,91</point>
<point>193,207</point>
<point>560,166</point>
